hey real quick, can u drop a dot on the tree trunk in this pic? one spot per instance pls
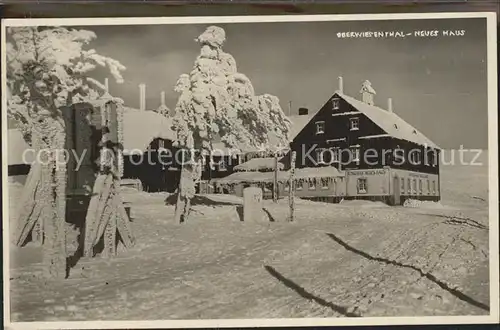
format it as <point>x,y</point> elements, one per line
<point>275,179</point>
<point>44,197</point>
<point>54,212</point>
<point>186,191</point>
<point>291,188</point>
<point>183,198</point>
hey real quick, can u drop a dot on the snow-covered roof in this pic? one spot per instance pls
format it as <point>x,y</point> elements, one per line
<point>219,149</point>
<point>298,123</point>
<point>317,172</point>
<point>16,148</point>
<point>142,127</point>
<point>390,122</point>
<point>248,177</point>
<point>258,164</point>
<point>105,98</point>
<point>283,176</point>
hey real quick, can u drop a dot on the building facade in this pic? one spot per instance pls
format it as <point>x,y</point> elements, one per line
<point>381,156</point>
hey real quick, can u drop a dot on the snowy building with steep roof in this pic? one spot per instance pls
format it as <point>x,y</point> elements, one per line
<point>380,154</point>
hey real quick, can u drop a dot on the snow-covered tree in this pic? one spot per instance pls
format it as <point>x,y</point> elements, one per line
<point>218,102</point>
<point>47,70</point>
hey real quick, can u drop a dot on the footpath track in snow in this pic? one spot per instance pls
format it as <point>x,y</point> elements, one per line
<point>334,261</point>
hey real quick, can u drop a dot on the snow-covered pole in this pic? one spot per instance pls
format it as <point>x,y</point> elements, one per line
<point>142,97</point>
<point>291,187</point>
<point>162,98</point>
<point>275,179</point>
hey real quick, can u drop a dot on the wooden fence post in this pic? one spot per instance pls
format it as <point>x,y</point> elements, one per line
<point>275,179</point>
<point>291,187</point>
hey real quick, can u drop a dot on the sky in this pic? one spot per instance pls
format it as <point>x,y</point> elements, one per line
<point>438,84</point>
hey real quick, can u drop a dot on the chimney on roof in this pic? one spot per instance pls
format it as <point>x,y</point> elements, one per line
<point>106,84</point>
<point>303,111</point>
<point>389,104</point>
<point>162,98</point>
<point>142,97</point>
<point>341,85</point>
<point>367,92</point>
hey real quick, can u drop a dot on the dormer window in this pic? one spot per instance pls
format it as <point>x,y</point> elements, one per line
<point>335,103</point>
<point>354,124</point>
<point>320,127</point>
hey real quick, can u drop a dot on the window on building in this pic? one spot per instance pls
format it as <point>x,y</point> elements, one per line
<point>299,185</point>
<point>320,127</point>
<point>362,186</point>
<point>354,124</point>
<point>335,154</point>
<point>335,103</point>
<point>319,155</point>
<point>432,158</point>
<point>324,183</point>
<point>355,153</point>
<point>409,186</point>
<point>312,184</point>
<point>416,157</point>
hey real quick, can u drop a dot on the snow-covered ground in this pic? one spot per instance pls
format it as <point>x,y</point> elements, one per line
<point>348,259</point>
